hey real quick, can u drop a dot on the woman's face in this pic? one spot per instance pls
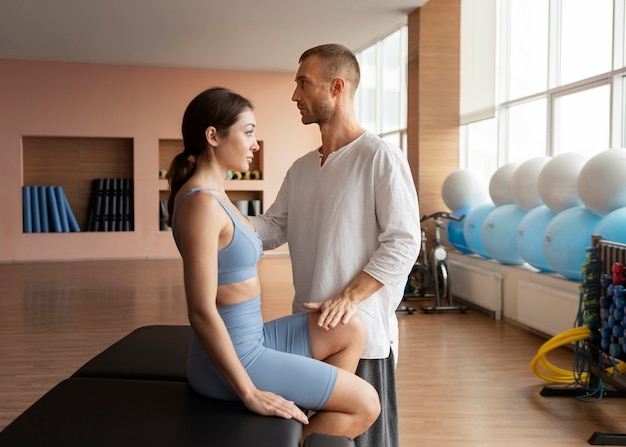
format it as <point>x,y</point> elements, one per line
<point>236,151</point>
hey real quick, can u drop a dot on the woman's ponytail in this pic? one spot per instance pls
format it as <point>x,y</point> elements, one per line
<point>181,169</point>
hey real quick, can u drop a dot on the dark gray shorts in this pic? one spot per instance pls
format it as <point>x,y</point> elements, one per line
<point>381,373</point>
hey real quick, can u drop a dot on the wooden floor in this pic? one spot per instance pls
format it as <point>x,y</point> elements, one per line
<point>463,379</point>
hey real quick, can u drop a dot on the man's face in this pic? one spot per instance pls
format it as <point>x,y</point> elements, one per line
<point>312,94</point>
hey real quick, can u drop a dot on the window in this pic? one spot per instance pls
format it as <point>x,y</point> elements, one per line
<point>481,143</point>
<point>392,84</point>
<point>366,93</point>
<point>581,122</point>
<point>585,39</point>
<point>619,111</point>
<point>562,82</point>
<point>526,136</point>
<point>527,48</point>
<point>381,97</point>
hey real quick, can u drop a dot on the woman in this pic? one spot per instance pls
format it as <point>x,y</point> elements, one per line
<point>276,367</point>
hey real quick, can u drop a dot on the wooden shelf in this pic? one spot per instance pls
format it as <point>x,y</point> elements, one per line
<point>73,162</point>
<point>169,148</point>
<point>236,189</point>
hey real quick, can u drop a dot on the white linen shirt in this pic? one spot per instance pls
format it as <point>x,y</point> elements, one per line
<point>357,212</point>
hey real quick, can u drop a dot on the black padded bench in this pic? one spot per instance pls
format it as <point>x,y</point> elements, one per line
<point>135,393</point>
<point>150,352</point>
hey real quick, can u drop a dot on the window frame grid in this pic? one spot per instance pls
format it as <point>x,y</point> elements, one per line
<point>378,95</point>
<point>616,79</point>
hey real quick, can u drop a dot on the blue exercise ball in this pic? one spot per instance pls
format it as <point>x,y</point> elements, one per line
<point>529,238</point>
<point>499,231</point>
<point>454,229</point>
<point>566,238</point>
<point>612,227</point>
<point>472,227</point>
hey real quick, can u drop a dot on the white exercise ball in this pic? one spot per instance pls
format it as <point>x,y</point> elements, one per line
<point>524,183</point>
<point>558,181</point>
<point>602,182</point>
<point>500,184</point>
<point>464,188</point>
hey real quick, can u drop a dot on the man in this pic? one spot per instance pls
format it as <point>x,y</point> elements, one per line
<point>349,212</point>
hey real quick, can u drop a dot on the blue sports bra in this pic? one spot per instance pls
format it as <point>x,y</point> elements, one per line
<point>237,261</point>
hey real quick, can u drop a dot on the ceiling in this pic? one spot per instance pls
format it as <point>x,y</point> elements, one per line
<point>260,35</point>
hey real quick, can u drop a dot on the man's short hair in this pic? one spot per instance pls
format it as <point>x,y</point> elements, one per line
<point>339,61</point>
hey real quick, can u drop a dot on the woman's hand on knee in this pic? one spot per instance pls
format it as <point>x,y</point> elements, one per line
<point>269,404</point>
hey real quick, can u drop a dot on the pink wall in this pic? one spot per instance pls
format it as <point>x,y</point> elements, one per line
<point>146,104</point>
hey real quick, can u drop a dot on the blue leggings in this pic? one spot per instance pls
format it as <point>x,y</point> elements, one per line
<point>276,355</point>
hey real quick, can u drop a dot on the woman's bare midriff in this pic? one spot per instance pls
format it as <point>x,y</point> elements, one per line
<point>228,294</point>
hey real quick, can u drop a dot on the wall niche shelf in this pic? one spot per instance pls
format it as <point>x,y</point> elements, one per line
<point>72,163</point>
<point>237,190</point>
